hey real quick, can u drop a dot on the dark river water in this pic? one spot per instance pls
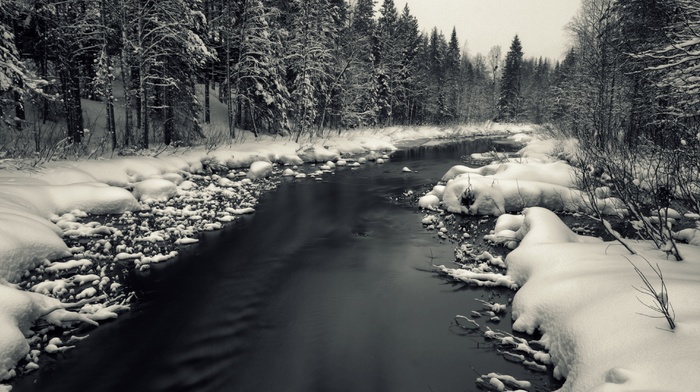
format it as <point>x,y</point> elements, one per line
<point>327,287</point>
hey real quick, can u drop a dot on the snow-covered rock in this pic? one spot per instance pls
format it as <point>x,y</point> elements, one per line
<point>154,189</point>
<point>260,169</point>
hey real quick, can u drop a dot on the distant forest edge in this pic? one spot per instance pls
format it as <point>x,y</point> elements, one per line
<point>149,68</point>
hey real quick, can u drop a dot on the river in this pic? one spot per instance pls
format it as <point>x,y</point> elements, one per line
<point>327,287</point>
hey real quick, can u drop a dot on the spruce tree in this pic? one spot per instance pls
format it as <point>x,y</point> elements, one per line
<point>509,102</point>
<point>453,84</point>
<point>361,104</point>
<point>406,92</point>
<point>388,61</point>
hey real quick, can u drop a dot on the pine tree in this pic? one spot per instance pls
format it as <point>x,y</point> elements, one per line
<point>335,89</point>
<point>563,107</point>
<point>509,102</point>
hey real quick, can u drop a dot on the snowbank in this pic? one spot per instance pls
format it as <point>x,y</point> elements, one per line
<point>496,195</point>
<point>580,293</point>
<point>535,178</point>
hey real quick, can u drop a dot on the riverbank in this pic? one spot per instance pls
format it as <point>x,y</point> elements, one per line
<point>599,308</point>
<point>159,200</point>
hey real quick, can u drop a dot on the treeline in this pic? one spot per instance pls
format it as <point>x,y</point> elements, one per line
<point>630,93</point>
<point>633,74</point>
<point>280,66</point>
<point>302,66</point>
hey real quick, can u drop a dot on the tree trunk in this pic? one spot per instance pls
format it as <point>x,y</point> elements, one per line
<point>19,108</point>
<point>207,107</point>
<point>143,109</point>
<point>109,102</point>
<point>127,81</point>
<point>71,102</point>
<point>168,120</point>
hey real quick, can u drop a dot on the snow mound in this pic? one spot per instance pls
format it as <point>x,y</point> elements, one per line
<point>557,173</point>
<point>484,195</point>
<point>500,188</point>
<point>46,200</point>
<point>260,169</point>
<point>154,189</point>
<point>26,242</point>
<point>579,292</point>
<point>319,153</point>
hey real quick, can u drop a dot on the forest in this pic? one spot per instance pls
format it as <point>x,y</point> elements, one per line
<point>296,67</point>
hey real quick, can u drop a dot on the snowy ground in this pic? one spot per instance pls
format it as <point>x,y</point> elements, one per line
<point>69,226</point>
<point>582,294</point>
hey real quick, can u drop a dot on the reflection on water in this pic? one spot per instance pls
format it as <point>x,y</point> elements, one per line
<point>324,289</point>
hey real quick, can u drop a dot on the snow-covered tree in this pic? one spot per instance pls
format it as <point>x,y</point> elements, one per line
<point>13,74</point>
<point>599,96</point>
<point>310,60</point>
<point>361,92</point>
<point>163,52</point>
<point>675,68</point>
<point>406,91</point>
<point>643,26</point>
<point>388,59</point>
<point>493,60</point>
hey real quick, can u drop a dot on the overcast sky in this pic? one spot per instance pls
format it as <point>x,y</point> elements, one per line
<point>485,23</point>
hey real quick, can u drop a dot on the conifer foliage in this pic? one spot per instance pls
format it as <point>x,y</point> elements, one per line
<point>509,104</point>
<point>303,67</point>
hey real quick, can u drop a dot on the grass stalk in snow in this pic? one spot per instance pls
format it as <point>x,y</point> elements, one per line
<point>659,299</point>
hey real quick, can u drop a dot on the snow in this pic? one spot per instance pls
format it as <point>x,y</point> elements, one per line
<point>260,169</point>
<point>579,292</point>
<point>510,186</point>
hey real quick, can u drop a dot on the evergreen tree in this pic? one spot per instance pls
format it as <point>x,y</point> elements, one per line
<point>257,92</point>
<point>335,90</point>
<point>406,91</point>
<point>563,108</point>
<point>388,60</point>
<point>436,105</point>
<point>509,102</point>
<point>361,96</point>
<point>14,77</point>
<point>453,80</point>
<point>310,60</point>
<point>167,54</point>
